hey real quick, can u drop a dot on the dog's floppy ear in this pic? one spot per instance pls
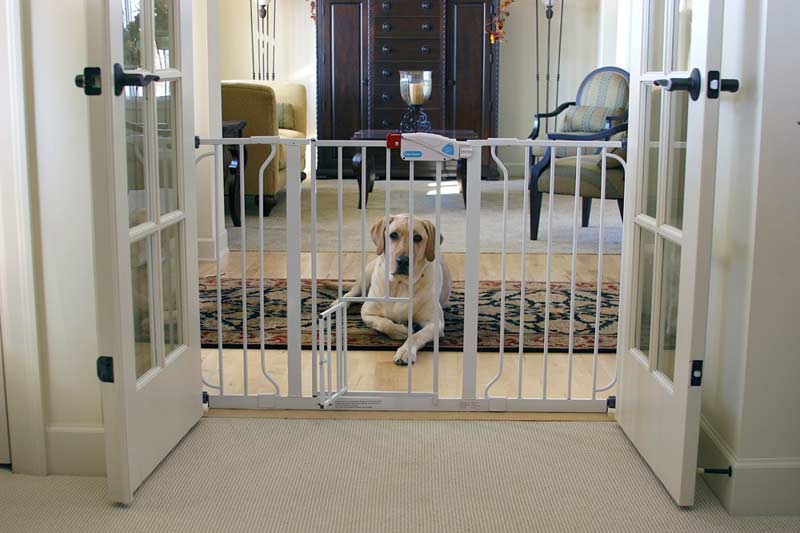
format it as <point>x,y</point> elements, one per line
<point>430,245</point>
<point>379,234</point>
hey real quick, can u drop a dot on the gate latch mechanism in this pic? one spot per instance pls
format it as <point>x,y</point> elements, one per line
<point>427,147</point>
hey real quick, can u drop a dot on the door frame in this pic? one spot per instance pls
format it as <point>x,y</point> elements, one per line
<point>18,295</point>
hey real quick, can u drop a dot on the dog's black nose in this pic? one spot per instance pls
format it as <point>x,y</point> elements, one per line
<point>402,260</point>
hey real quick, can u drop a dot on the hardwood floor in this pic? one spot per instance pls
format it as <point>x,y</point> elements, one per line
<point>374,370</point>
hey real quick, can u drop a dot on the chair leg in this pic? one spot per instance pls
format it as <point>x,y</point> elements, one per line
<point>234,191</point>
<point>621,204</point>
<point>269,203</point>
<point>586,210</point>
<point>535,211</point>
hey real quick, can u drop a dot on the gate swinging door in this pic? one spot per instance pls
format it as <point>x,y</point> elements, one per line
<point>146,259</point>
<point>668,229</point>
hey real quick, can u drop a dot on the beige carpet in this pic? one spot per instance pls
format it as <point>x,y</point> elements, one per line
<point>381,476</point>
<point>453,218</point>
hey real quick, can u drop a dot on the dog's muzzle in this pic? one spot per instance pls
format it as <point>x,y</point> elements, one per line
<point>401,265</point>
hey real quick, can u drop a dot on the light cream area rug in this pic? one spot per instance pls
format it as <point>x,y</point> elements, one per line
<point>267,475</point>
<point>453,218</point>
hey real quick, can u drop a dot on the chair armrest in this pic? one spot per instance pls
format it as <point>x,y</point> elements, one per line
<point>557,111</point>
<point>610,119</point>
<point>602,135</point>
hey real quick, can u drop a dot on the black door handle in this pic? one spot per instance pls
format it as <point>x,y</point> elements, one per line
<point>692,84</point>
<point>124,79</point>
<point>386,26</point>
<point>89,81</point>
<point>716,84</point>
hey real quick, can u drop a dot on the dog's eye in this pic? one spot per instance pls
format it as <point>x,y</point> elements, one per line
<point>394,236</point>
<point>417,238</point>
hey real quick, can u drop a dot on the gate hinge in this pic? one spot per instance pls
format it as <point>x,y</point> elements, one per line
<point>105,369</point>
<point>205,397</point>
<point>696,379</point>
<point>611,402</point>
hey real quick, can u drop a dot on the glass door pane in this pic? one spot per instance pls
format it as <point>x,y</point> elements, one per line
<point>164,48</point>
<point>172,287</point>
<point>655,35</point>
<point>652,151</point>
<point>676,165</point>
<point>132,32</point>
<point>166,113</point>
<point>136,148</point>
<point>668,310</point>
<point>644,291</point>
<point>683,35</point>
<point>141,288</point>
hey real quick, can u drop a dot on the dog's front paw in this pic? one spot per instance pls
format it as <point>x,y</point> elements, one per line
<point>396,331</point>
<point>404,355</point>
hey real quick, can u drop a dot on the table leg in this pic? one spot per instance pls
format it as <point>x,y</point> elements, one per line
<point>461,173</point>
<point>234,187</point>
<point>357,164</point>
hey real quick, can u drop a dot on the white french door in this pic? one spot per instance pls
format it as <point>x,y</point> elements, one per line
<point>668,227</point>
<point>145,255</point>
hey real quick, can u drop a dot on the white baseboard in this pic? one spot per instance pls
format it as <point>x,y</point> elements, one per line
<point>762,486</point>
<point>205,247</point>
<point>76,450</point>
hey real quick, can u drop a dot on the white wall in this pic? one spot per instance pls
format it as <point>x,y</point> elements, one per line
<point>518,60</point>
<point>208,123</point>
<point>750,397</point>
<point>295,55</point>
<point>60,170</point>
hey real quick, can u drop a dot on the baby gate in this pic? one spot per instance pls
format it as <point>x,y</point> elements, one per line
<point>330,374</point>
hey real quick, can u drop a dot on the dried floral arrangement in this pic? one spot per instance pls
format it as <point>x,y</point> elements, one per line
<point>495,29</point>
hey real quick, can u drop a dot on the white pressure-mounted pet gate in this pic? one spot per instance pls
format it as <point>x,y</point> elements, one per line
<point>329,343</point>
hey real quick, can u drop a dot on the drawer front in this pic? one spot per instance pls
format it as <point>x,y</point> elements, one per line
<point>390,119</point>
<point>411,49</point>
<point>388,96</point>
<point>389,73</point>
<point>422,28</point>
<point>405,8</point>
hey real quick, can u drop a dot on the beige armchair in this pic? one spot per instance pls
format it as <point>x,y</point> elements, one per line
<point>270,108</point>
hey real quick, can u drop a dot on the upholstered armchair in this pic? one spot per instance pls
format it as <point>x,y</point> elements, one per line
<point>599,112</point>
<point>270,109</point>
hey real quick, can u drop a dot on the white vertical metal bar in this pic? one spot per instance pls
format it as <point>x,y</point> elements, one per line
<point>339,218</point>
<point>339,374</point>
<point>321,363</point>
<point>575,226</point>
<point>328,356</point>
<point>599,274</point>
<point>548,268</point>
<point>314,340</point>
<point>437,276</point>
<point>243,231</point>
<point>523,279</point>
<point>387,214</point>
<point>293,301</point>
<point>412,353</point>
<point>472,274</point>
<point>363,220</point>
<point>217,257</point>
<point>263,356</point>
<point>344,344</point>
<point>502,347</point>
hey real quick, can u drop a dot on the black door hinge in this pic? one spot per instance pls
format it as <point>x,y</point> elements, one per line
<point>611,402</point>
<point>696,379</point>
<point>89,81</point>
<point>105,369</point>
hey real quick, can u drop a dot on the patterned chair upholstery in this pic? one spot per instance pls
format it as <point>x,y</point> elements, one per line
<point>599,112</point>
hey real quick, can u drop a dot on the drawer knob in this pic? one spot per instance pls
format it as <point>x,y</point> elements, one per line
<point>425,5</point>
<point>386,5</point>
<point>385,49</point>
<point>386,124</point>
<point>386,98</point>
<point>386,73</point>
<point>425,49</point>
<point>426,27</point>
<point>386,26</point>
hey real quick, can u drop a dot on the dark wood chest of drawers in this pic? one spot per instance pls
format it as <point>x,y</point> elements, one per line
<point>362,45</point>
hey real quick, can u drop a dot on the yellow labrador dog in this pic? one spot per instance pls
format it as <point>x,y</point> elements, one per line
<point>391,318</point>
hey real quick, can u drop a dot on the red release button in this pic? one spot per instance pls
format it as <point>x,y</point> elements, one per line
<point>393,140</point>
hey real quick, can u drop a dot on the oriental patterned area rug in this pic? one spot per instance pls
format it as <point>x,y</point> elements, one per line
<point>361,337</point>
